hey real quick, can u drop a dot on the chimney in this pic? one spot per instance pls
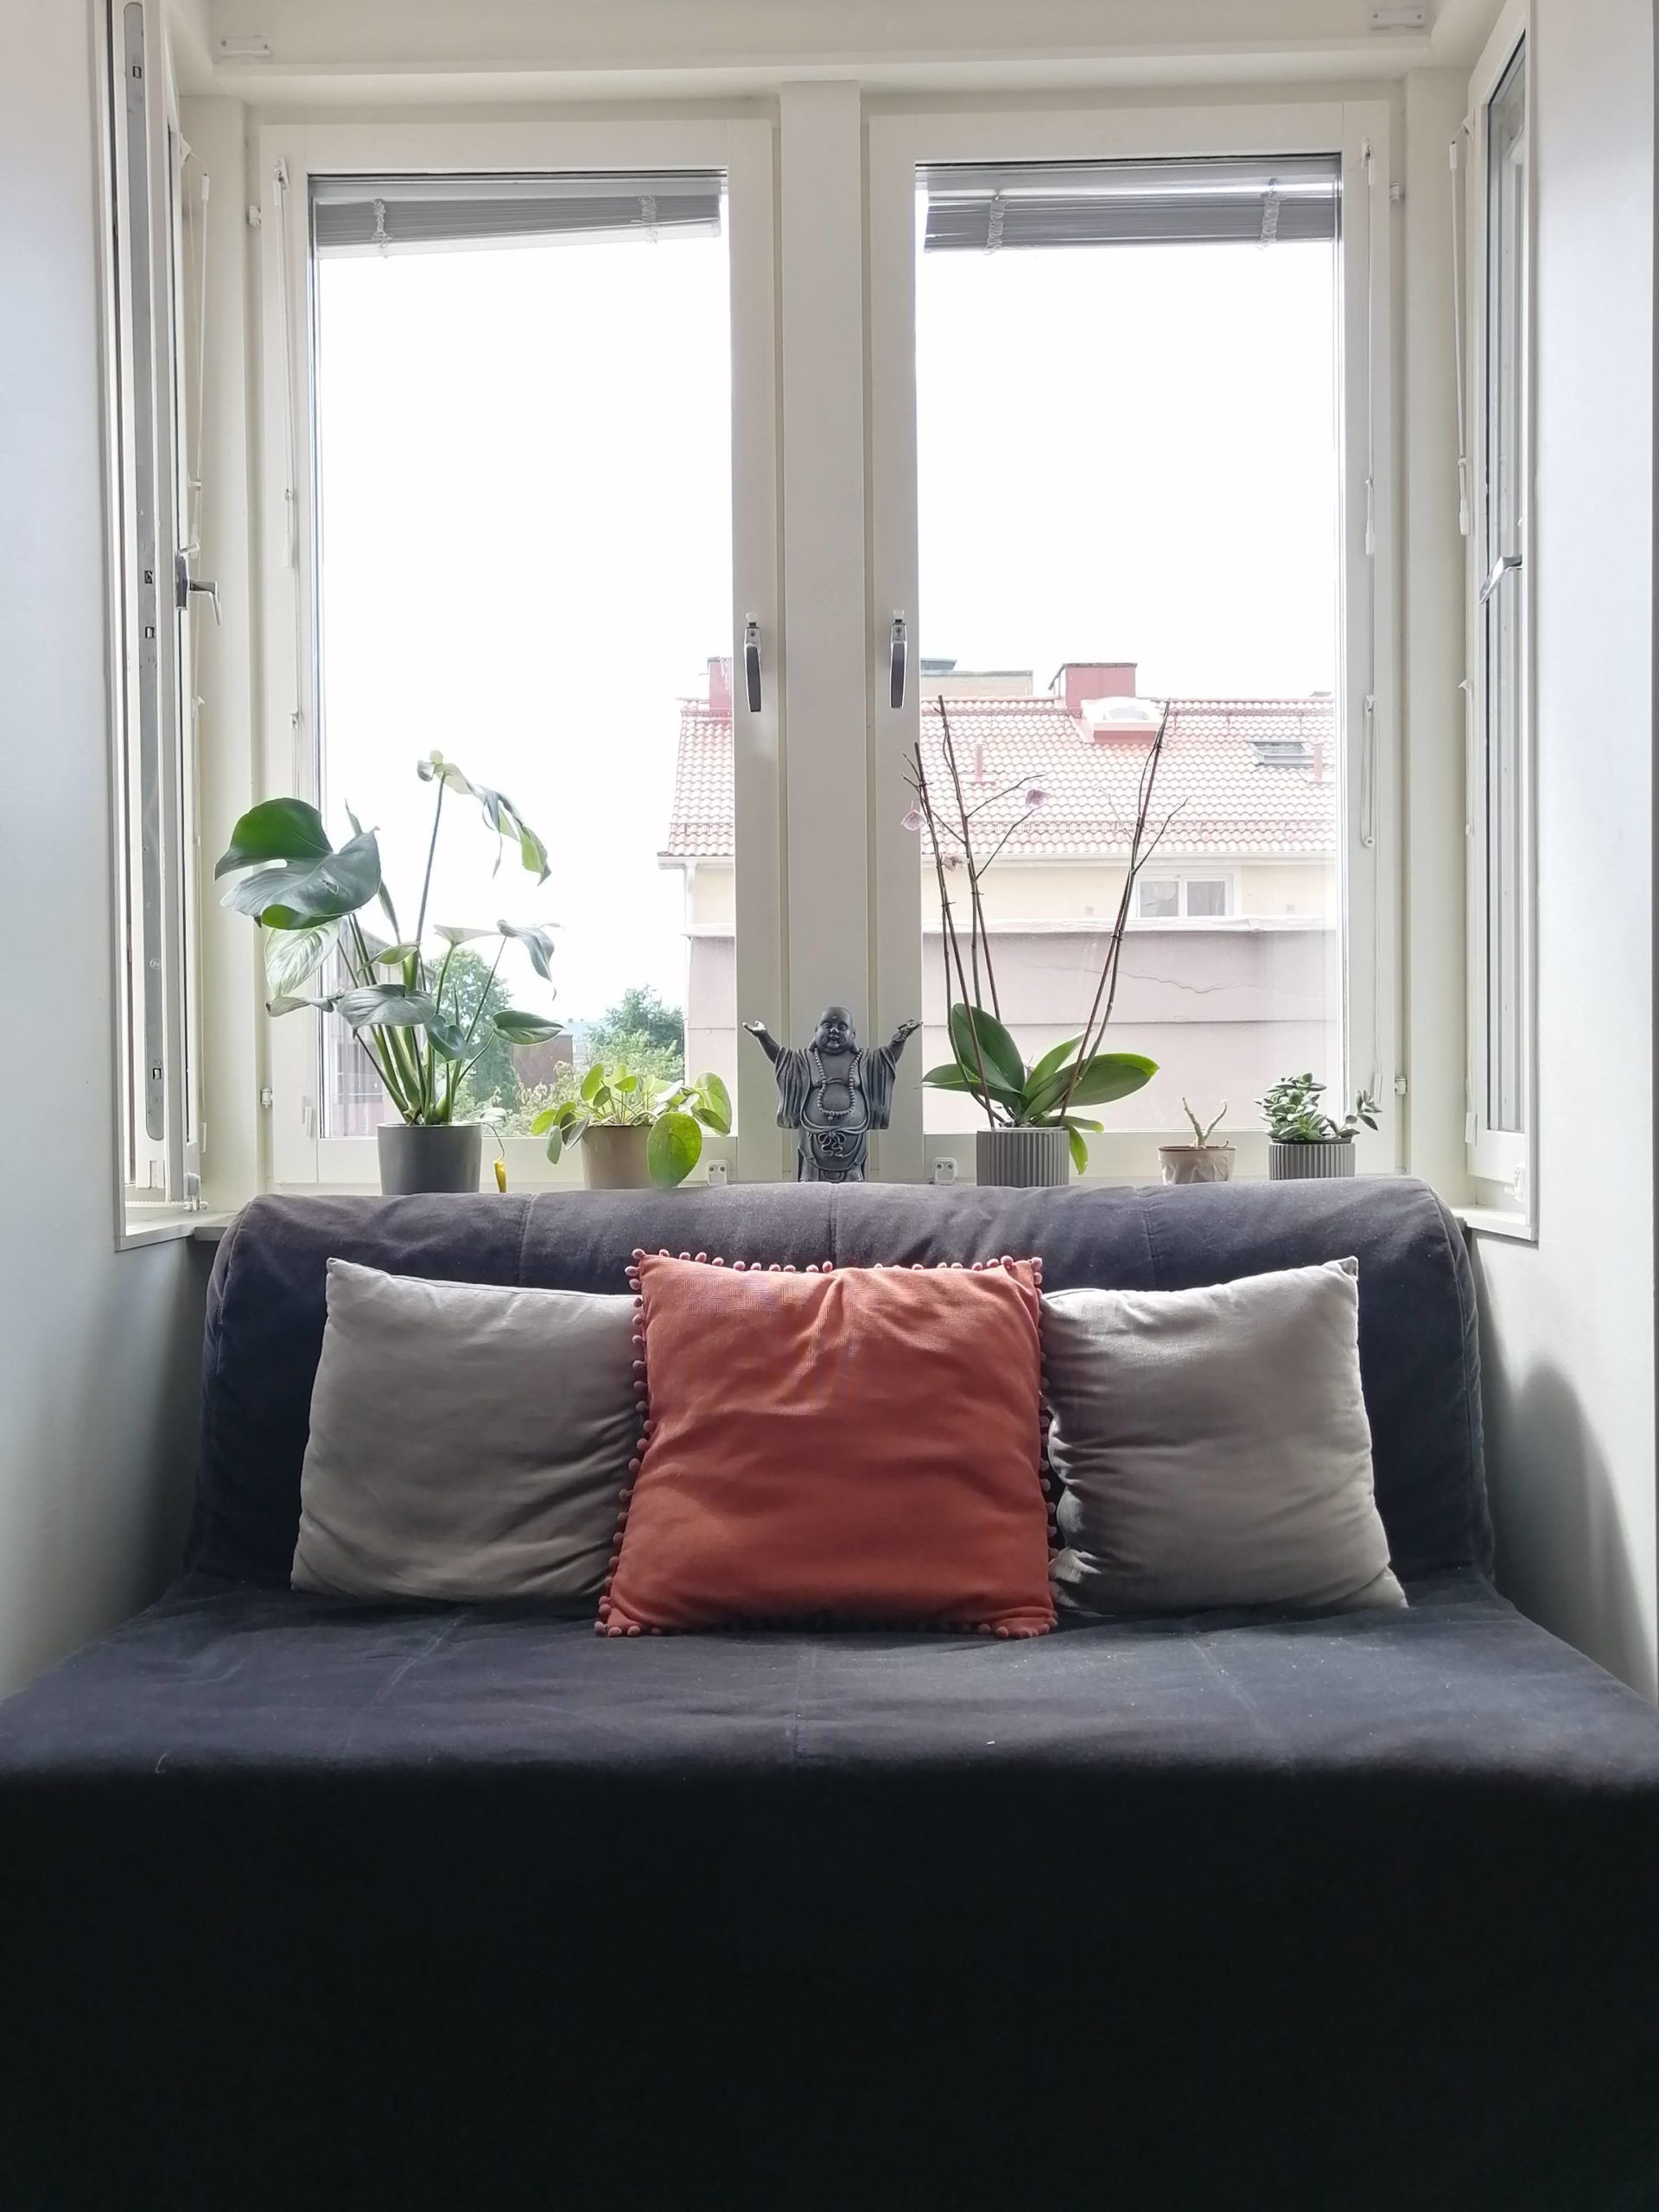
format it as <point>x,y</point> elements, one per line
<point>719,686</point>
<point>1077,680</point>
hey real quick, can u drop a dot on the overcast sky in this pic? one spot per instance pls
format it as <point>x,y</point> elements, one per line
<point>525,468</point>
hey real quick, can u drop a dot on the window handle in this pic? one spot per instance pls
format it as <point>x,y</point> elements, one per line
<point>184,583</point>
<point>899,662</point>
<point>1501,567</point>
<point>751,661</point>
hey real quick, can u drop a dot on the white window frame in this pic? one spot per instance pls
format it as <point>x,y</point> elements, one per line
<point>152,723</point>
<point>1503,1162</point>
<point>900,141</point>
<point>287,156</point>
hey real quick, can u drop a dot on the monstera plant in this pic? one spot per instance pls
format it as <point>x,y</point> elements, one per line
<point>401,998</point>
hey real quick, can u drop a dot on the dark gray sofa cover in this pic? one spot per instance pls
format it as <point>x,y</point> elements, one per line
<point>313,1903</point>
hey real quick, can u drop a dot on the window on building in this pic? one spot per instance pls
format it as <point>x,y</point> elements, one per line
<point>523,560</point>
<point>152,589</point>
<point>1127,377</point>
<point>1501,854</point>
<point>1186,898</point>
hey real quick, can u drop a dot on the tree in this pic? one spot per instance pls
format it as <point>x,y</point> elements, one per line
<point>642,1032</point>
<point>468,988</point>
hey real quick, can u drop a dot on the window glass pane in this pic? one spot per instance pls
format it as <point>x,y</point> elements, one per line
<point>524,436</point>
<point>1128,480</point>
<point>1158,896</point>
<point>1504,612</point>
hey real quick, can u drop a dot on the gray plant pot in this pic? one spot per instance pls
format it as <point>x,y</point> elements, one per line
<point>443,1156</point>
<point>1295,1163</point>
<point>615,1160</point>
<point>1024,1160</point>
<point>1197,1163</point>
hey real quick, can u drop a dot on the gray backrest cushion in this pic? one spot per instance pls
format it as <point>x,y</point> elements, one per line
<point>1212,1447</point>
<point>468,1440</point>
<point>1417,1345</point>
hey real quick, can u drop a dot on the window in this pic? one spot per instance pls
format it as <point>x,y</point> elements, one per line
<point>1189,897</point>
<point>510,458</point>
<point>1500,671</point>
<point>1127,435</point>
<point>152,588</point>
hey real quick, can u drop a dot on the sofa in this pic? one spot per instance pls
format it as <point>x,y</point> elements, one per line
<point>313,1902</point>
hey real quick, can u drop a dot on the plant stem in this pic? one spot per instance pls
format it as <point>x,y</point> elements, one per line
<point>978,933</point>
<point>952,946</point>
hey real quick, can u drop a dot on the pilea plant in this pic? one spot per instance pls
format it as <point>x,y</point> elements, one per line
<point>615,1097</point>
<point>1295,1117</point>
<point>402,1001</point>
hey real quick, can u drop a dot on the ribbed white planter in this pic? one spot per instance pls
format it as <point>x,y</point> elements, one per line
<point>1025,1159</point>
<point>1295,1163</point>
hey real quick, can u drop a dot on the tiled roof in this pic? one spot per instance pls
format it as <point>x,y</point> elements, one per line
<point>1217,770</point>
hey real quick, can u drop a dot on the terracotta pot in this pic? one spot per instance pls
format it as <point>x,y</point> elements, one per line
<point>614,1159</point>
<point>1025,1160</point>
<point>1197,1163</point>
<point>438,1156</point>
<point>1296,1163</point>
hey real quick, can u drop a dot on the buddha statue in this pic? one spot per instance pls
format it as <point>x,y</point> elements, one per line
<point>833,1093</point>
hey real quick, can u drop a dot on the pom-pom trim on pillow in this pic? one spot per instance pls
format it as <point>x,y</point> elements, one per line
<point>747,1625</point>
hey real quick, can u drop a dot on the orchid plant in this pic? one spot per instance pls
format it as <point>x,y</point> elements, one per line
<point>400,1003</point>
<point>987,1064</point>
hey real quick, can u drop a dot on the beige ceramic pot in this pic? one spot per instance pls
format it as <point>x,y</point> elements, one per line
<point>1197,1163</point>
<point>616,1159</point>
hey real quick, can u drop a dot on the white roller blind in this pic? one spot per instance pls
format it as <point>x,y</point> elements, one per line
<point>408,214</point>
<point>976,209</point>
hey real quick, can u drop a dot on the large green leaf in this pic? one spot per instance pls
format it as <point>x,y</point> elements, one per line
<point>949,1076</point>
<point>291,956</point>
<point>277,830</point>
<point>516,1025</point>
<point>499,812</point>
<point>386,1006</point>
<point>285,1005</point>
<point>537,943</point>
<point>1105,1077</point>
<point>673,1149</point>
<point>1054,1059</point>
<point>997,1049</point>
<point>1079,1145</point>
<point>715,1108</point>
<point>452,937</point>
<point>294,897</point>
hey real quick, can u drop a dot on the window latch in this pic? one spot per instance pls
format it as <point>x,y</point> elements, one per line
<point>184,583</point>
<point>751,661</point>
<point>1501,568</point>
<point>900,657</point>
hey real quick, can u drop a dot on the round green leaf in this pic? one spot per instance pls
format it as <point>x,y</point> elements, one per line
<point>673,1149</point>
<point>716,1110</point>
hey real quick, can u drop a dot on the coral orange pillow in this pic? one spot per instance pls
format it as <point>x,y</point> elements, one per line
<point>852,1445</point>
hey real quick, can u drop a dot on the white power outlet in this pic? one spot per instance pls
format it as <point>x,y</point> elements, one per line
<point>717,1172</point>
<point>944,1170</point>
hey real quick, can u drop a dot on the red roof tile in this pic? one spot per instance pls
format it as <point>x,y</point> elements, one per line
<point>1231,795</point>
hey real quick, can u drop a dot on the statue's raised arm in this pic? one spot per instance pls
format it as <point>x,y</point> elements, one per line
<point>765,1038</point>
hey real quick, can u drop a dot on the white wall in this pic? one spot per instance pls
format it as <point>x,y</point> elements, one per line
<point>1569,1327</point>
<point>98,1349</point>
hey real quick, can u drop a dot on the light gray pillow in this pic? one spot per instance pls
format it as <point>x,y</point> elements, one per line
<point>1213,1447</point>
<point>466,1441</point>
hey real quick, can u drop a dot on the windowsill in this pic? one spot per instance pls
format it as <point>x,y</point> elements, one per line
<point>168,1225</point>
<point>1492,1221</point>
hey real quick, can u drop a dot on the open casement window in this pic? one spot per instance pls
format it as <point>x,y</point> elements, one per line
<point>1133,382</point>
<point>152,503</point>
<point>523,487</point>
<point>1500,771</point>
